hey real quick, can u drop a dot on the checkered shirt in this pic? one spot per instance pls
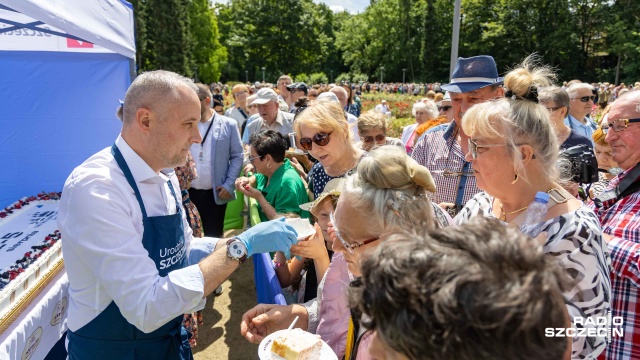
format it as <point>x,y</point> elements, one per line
<point>622,221</point>
<point>438,150</point>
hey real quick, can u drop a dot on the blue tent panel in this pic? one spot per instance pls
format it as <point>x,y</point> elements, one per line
<point>56,110</point>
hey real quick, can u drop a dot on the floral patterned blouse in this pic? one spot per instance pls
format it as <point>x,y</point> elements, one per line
<point>186,174</point>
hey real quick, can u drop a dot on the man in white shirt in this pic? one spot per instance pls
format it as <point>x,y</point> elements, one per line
<point>581,104</point>
<point>285,94</point>
<point>383,108</point>
<point>218,159</point>
<point>134,268</point>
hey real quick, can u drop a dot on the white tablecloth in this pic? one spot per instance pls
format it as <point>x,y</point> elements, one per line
<point>41,324</point>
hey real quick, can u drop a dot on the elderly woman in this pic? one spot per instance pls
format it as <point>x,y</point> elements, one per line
<point>604,154</point>
<point>386,195</point>
<point>514,150</point>
<point>557,102</point>
<point>323,131</point>
<point>423,112</point>
<point>372,128</point>
<point>276,185</point>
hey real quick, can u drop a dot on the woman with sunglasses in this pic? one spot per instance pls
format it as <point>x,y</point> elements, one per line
<point>323,131</point>
<point>557,102</point>
<point>387,194</point>
<point>276,185</point>
<point>372,128</point>
<point>514,152</point>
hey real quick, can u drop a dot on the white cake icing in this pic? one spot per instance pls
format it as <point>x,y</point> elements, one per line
<point>297,344</point>
<point>25,224</point>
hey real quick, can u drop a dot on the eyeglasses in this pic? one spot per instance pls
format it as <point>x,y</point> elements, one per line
<point>320,139</point>
<point>473,148</point>
<point>618,125</point>
<point>552,109</point>
<point>585,98</point>
<point>444,108</point>
<point>377,138</point>
<point>220,111</point>
<point>312,96</point>
<point>349,247</point>
<point>251,158</point>
<point>239,93</point>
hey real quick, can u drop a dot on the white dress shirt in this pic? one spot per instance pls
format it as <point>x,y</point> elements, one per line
<point>101,224</point>
<point>204,164</point>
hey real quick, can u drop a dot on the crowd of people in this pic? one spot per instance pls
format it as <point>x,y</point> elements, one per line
<point>434,245</point>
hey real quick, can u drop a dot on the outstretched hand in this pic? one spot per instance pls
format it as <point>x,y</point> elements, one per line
<point>265,319</point>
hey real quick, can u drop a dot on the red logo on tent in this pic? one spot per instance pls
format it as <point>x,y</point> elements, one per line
<point>71,43</point>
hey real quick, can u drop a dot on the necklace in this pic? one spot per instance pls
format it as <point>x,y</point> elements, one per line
<point>503,214</point>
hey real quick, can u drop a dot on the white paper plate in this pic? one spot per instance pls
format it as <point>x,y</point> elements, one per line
<point>302,226</point>
<point>264,351</point>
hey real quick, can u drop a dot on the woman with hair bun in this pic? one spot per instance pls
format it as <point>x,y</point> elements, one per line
<point>514,152</point>
<point>386,195</point>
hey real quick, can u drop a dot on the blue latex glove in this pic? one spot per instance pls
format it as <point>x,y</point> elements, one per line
<point>274,235</point>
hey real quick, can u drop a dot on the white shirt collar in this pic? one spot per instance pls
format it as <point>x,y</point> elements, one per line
<point>140,170</point>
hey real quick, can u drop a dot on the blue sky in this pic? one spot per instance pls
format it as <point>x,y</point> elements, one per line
<point>335,5</point>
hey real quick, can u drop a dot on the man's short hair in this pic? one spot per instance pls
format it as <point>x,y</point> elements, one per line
<point>152,90</point>
<point>478,291</point>
<point>575,87</point>
<point>284,77</point>
<point>203,91</point>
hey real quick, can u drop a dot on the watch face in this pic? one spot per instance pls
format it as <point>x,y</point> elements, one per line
<point>237,249</point>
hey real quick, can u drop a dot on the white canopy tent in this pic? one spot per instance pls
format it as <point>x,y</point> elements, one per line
<point>63,66</point>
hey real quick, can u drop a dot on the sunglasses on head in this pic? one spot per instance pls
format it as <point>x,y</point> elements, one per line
<point>585,98</point>
<point>320,139</point>
<point>444,108</point>
<point>377,138</point>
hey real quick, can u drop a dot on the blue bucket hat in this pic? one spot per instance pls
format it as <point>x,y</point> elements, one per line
<point>473,73</point>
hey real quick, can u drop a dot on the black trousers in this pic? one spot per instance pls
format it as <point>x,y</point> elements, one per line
<point>211,213</point>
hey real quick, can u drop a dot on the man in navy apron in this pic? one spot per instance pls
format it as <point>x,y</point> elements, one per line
<point>132,263</point>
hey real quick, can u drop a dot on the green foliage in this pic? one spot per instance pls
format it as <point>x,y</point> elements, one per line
<point>344,77</point>
<point>302,78</point>
<point>168,36</point>
<point>591,40</point>
<point>318,78</point>
<point>357,77</point>
<point>208,54</point>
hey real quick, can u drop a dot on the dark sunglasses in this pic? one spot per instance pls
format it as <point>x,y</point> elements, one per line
<point>585,98</point>
<point>444,108</point>
<point>377,138</point>
<point>320,139</point>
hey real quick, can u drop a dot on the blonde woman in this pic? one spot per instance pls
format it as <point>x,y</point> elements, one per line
<point>513,150</point>
<point>322,130</point>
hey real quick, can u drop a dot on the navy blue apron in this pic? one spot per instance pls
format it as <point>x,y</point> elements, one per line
<point>110,335</point>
